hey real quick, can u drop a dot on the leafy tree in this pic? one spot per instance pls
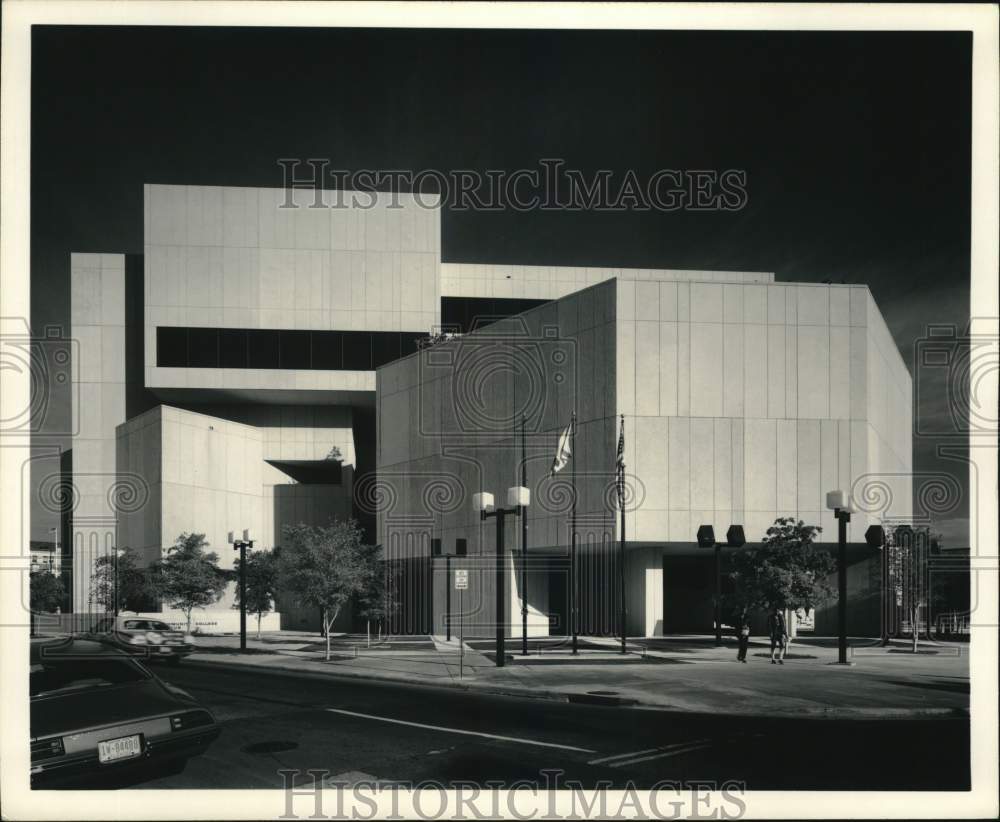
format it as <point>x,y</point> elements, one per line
<point>136,588</point>
<point>189,577</point>
<point>324,567</point>
<point>261,582</point>
<point>46,594</point>
<point>787,570</point>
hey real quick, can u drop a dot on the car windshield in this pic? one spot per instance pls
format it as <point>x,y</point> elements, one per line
<point>56,676</point>
<point>136,625</point>
<point>160,626</point>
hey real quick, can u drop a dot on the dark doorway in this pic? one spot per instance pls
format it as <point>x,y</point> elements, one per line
<point>559,597</point>
<point>687,594</point>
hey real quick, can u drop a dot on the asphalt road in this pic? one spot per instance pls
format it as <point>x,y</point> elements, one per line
<point>408,733</point>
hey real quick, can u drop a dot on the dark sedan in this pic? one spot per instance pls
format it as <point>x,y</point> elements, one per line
<point>99,716</point>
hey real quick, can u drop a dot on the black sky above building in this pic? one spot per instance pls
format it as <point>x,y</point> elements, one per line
<point>856,147</point>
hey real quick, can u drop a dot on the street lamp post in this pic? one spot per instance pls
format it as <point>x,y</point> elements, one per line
<point>242,545</point>
<point>841,505</point>
<point>55,549</point>
<point>518,500</point>
<point>524,547</point>
<point>35,567</point>
<point>114,569</point>
<point>706,539</point>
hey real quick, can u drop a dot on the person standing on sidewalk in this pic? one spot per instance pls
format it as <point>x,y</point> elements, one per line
<point>743,635</point>
<point>779,634</point>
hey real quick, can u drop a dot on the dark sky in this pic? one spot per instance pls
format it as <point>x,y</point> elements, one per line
<point>856,148</point>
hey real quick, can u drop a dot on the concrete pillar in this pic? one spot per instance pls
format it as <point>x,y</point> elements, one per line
<point>644,591</point>
<point>97,318</point>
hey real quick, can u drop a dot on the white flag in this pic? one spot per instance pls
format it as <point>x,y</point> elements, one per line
<point>564,451</point>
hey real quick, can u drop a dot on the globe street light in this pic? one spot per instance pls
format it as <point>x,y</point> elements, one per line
<point>518,500</point>
<point>842,506</point>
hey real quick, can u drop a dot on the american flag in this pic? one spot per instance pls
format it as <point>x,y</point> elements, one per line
<point>564,451</point>
<point>620,465</point>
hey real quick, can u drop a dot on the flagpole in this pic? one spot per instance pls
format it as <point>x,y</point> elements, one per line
<point>574,594</point>
<point>524,548</point>
<point>621,549</point>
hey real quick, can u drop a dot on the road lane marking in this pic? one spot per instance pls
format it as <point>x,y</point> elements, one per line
<point>460,731</point>
<point>632,754</point>
<point>674,752</point>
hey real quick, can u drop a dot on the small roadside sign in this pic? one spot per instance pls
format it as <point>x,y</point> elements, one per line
<point>461,579</point>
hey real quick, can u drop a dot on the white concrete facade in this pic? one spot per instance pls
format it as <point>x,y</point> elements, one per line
<point>747,402</point>
<point>227,257</point>
<point>744,402</point>
<point>204,475</point>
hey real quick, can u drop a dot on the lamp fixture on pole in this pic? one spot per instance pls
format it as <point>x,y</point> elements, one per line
<point>842,506</point>
<point>242,545</point>
<point>518,500</point>
<point>706,539</point>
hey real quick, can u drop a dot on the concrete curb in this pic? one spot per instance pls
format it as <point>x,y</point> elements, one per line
<point>615,700</point>
<point>468,685</point>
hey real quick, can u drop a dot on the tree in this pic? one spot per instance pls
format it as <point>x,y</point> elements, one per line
<point>261,582</point>
<point>324,567</point>
<point>46,594</point>
<point>787,570</point>
<point>909,559</point>
<point>374,600</point>
<point>189,577</point>
<point>136,590</point>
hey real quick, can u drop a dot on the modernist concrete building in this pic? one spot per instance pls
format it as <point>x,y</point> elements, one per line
<point>743,400</point>
<point>261,365</point>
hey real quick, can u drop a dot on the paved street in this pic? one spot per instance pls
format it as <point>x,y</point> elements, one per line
<point>687,674</point>
<point>406,732</point>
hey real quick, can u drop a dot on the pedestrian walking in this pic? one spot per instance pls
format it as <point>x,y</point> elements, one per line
<point>743,636</point>
<point>779,635</point>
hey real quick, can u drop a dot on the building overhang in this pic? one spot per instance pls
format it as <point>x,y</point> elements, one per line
<point>267,396</point>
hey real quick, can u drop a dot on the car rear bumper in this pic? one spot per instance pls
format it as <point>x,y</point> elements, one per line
<point>85,771</point>
<point>151,653</point>
<point>167,651</point>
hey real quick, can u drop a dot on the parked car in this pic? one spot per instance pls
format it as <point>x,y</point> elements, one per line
<point>100,715</point>
<point>151,639</point>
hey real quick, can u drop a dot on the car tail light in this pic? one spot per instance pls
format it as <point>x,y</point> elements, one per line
<point>46,749</point>
<point>190,719</point>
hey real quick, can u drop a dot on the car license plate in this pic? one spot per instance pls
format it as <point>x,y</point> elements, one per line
<point>124,747</point>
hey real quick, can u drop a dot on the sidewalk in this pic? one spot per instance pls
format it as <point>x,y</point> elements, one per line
<point>687,674</point>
